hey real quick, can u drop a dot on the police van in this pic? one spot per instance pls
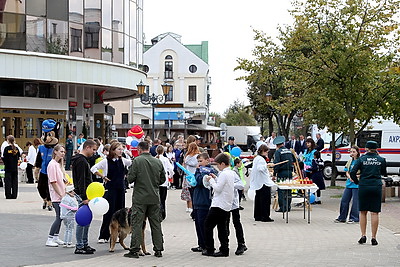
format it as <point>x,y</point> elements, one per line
<point>385,132</point>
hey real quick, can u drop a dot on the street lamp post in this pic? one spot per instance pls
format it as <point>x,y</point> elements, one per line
<point>185,121</point>
<point>153,100</point>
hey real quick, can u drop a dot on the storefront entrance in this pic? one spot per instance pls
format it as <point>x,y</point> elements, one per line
<point>25,125</point>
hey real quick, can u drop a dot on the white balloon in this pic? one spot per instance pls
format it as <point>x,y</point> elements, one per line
<point>99,206</point>
<point>251,193</point>
<point>23,165</point>
<point>129,140</point>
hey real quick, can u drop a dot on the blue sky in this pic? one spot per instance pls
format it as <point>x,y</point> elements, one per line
<point>227,26</point>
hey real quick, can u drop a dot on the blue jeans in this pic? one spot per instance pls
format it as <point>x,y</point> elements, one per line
<point>82,236</point>
<point>69,228</point>
<point>348,194</point>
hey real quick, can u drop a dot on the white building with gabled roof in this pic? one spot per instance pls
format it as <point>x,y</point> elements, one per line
<point>186,69</point>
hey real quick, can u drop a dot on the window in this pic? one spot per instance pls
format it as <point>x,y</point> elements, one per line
<point>146,68</point>
<point>168,57</point>
<point>92,30</point>
<point>168,74</point>
<point>366,136</point>
<point>192,68</point>
<point>76,40</point>
<point>124,118</point>
<point>192,93</point>
<point>170,96</point>
<point>145,121</point>
<point>57,9</point>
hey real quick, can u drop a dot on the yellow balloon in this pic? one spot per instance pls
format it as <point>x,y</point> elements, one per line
<point>69,179</point>
<point>94,190</point>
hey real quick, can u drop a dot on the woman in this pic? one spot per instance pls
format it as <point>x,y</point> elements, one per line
<point>261,182</point>
<point>11,156</point>
<point>56,184</point>
<point>31,158</point>
<point>350,192</point>
<point>113,175</point>
<point>190,162</point>
<point>308,156</point>
<point>371,167</point>
<point>316,176</point>
<point>169,172</point>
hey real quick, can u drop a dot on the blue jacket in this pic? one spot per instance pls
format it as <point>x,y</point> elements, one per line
<point>201,195</point>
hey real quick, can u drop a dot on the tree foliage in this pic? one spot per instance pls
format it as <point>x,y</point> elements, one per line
<point>264,76</point>
<point>342,54</point>
<point>239,115</point>
<point>338,64</point>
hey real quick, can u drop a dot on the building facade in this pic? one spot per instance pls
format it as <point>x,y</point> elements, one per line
<point>61,59</point>
<point>186,69</point>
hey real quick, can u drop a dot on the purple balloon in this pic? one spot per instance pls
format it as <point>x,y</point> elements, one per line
<point>84,216</point>
<point>134,143</point>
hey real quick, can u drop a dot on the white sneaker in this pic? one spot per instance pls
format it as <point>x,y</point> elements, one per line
<point>101,241</point>
<point>51,243</point>
<point>189,210</point>
<point>58,241</point>
<point>69,245</point>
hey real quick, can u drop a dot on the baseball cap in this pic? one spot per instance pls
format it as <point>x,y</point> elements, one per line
<point>231,138</point>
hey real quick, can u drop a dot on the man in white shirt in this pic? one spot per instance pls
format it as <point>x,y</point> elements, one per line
<point>271,145</point>
<point>218,215</point>
<point>260,142</point>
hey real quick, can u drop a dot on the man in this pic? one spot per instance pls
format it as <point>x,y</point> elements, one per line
<point>221,205</point>
<point>291,143</point>
<point>301,145</point>
<point>271,145</point>
<point>260,142</point>
<point>320,142</point>
<point>283,171</point>
<point>101,146</point>
<point>148,174</point>
<point>198,142</point>
<point>69,147</point>
<point>81,139</point>
<point>82,177</point>
<point>230,145</point>
<point>153,149</point>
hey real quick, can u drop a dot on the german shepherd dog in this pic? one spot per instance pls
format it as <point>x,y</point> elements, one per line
<point>121,227</point>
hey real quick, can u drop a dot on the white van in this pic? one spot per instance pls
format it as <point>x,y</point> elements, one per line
<point>385,132</point>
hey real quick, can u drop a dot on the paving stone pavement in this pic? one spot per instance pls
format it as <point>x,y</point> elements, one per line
<point>24,227</point>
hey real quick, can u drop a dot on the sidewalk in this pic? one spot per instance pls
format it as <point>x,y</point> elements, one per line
<point>24,227</point>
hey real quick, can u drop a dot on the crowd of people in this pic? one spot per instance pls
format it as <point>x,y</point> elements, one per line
<point>211,193</point>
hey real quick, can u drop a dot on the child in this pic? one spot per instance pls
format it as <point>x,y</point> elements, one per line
<point>69,206</point>
<point>221,205</point>
<point>238,168</point>
<point>235,210</point>
<point>201,199</point>
<point>317,166</point>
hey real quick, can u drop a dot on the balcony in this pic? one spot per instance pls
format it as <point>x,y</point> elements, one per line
<point>168,75</point>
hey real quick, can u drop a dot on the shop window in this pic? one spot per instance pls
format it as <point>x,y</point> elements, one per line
<point>192,93</point>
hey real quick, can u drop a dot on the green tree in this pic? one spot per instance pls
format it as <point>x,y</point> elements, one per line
<point>239,115</point>
<point>269,96</point>
<point>341,53</point>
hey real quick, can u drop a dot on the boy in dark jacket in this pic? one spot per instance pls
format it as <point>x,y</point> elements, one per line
<point>201,198</point>
<point>82,177</point>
